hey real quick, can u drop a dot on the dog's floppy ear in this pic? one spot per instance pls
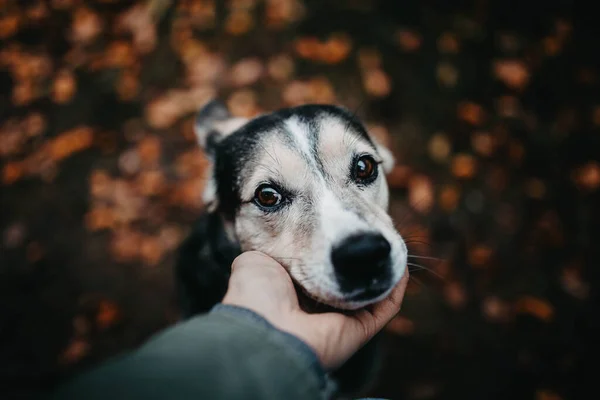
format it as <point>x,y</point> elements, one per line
<point>213,123</point>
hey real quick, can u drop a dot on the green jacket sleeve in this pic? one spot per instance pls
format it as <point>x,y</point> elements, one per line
<point>229,353</point>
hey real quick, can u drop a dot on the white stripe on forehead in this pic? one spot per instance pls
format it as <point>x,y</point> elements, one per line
<point>277,162</point>
<point>300,132</point>
<point>338,143</point>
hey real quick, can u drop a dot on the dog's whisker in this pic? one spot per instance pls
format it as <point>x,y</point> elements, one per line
<point>417,281</point>
<point>426,257</point>
<point>416,241</point>
<point>426,269</point>
<point>269,154</point>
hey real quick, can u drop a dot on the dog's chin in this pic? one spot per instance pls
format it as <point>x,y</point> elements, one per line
<point>348,302</point>
<point>352,303</point>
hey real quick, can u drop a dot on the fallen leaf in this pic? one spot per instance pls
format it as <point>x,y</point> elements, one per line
<point>439,147</point>
<point>246,72</point>
<point>513,73</point>
<point>448,43</point>
<point>536,307</point>
<point>377,83</point>
<point>420,193</point>
<point>449,198</point>
<point>108,314</point>
<point>408,40</point>
<point>464,166</point>
<point>471,113</point>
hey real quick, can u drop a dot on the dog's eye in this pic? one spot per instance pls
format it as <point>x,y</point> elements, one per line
<point>365,169</point>
<point>266,196</point>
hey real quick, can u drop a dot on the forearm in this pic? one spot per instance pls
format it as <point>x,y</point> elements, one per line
<point>228,353</point>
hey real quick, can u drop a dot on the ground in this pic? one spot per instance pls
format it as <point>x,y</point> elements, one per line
<point>491,108</point>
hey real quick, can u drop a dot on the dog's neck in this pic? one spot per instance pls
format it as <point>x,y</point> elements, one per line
<point>204,264</point>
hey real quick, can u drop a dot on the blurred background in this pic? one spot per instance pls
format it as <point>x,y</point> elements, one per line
<point>492,109</point>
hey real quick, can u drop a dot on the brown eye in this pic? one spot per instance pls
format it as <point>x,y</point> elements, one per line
<point>365,169</point>
<point>267,197</point>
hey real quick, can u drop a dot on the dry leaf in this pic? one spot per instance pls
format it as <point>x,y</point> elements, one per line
<point>480,256</point>
<point>449,198</point>
<point>495,309</point>
<point>420,195</point>
<point>149,151</point>
<point>447,74</point>
<point>75,351</point>
<point>281,68</point>
<point>336,48</point>
<point>162,113</point>
<point>369,59</point>
<point>125,245</point>
<point>64,87</point>
<point>536,307</point>
<point>547,395</point>
<point>100,218</point>
<point>448,43</point>
<point>483,143</point>
<point>455,295</point>
<point>130,162</point>
<point>552,46</point>
<point>535,188</point>
<point>573,284</point>
<point>9,25</point>
<point>439,147</point>
<point>127,86</point>
<point>513,73</point>
<point>108,314</point>
<point>23,93</point>
<point>408,40</point>
<point>508,107</point>
<point>86,26</point>
<point>471,113</point>
<point>587,177</point>
<point>34,124</point>
<point>321,91</point>
<point>377,83</point>
<point>243,103</point>
<point>238,23</point>
<point>151,183</point>
<point>100,184</point>
<point>464,166</point>
<point>14,235</point>
<point>246,72</point>
<point>151,250</point>
<point>296,93</point>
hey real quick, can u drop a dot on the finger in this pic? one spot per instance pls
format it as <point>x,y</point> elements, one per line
<point>254,259</point>
<point>255,275</point>
<point>372,321</point>
<point>390,306</point>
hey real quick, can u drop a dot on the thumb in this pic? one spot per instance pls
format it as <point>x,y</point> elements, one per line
<point>255,278</point>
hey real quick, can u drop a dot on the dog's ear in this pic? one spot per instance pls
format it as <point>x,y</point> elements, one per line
<point>213,123</point>
<point>388,160</point>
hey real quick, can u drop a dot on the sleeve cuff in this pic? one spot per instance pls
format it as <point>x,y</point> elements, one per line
<point>296,345</point>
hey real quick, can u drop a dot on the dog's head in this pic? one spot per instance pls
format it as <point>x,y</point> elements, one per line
<point>306,185</point>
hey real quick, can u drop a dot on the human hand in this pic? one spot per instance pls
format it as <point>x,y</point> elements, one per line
<point>261,284</point>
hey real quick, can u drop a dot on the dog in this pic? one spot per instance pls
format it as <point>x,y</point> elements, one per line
<point>306,186</point>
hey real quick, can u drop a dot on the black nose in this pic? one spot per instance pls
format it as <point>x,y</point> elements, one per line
<point>363,262</point>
